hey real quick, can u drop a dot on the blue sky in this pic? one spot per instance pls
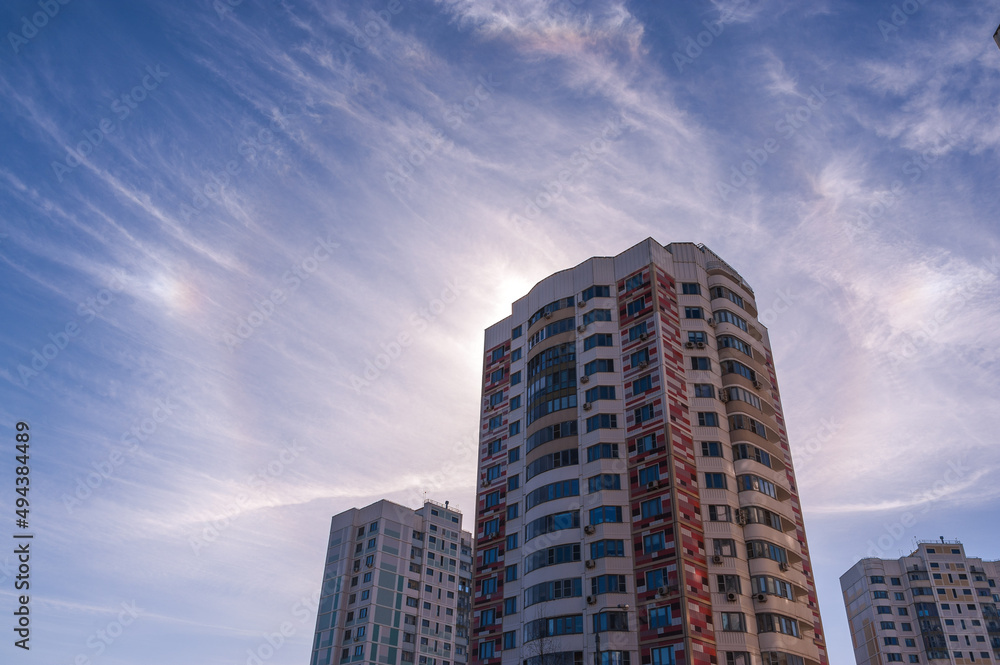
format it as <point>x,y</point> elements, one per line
<point>216,215</point>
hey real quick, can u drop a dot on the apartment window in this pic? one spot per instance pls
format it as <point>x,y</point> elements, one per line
<point>890,641</point>
<point>510,639</point>
<point>496,375</point>
<point>359,650</point>
<point>642,384</point>
<point>643,414</point>
<point>599,365</point>
<point>515,333</point>
<point>730,342</point>
<point>596,315</point>
<point>660,617</point>
<point>636,306</point>
<point>711,449</point>
<point>603,548</point>
<point>602,421</point>
<point>734,622</point>
<point>515,354</point>
<point>513,454</point>
<point>605,481</point>
<point>715,481</point>
<point>645,443</point>
<point>412,602</point>
<point>882,609</point>
<point>600,339</point>
<point>607,584</point>
<point>509,606</point>
<point>720,514</point>
<point>497,354</point>
<point>489,586</point>
<point>514,428</point>
<point>777,623</point>
<point>367,577</point>
<point>696,337</point>
<point>512,511</point>
<point>708,419</point>
<point>486,649</point>
<point>600,392</point>
<point>693,313</point>
<point>495,422</point>
<point>639,357</point>
<point>698,362</point>
<point>880,594</point>
<point>649,474</point>
<point>728,584</point>
<point>691,288</point>
<point>636,331</point>
<point>634,282</point>
<point>596,291</point>
<point>652,543</point>
<point>604,514</point>
<point>725,316</point>
<point>512,541</point>
<point>724,546</point>
<point>608,621</point>
<point>704,390</point>
<point>515,378</point>
<point>493,447</point>
<point>888,625</point>
<point>513,482</point>
<point>493,472</point>
<point>491,527</point>
<point>651,508</point>
<point>492,499</point>
<point>664,655</point>
<point>510,573</point>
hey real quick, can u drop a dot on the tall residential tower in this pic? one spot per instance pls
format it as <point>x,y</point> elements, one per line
<point>396,587</point>
<point>636,498</point>
<point>936,605</point>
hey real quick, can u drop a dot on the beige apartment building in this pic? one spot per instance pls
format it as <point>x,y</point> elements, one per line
<point>396,587</point>
<point>934,606</point>
<point>637,502</point>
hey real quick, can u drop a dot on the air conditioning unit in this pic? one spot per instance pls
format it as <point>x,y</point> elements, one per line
<point>587,406</point>
<point>741,516</point>
<point>584,379</point>
<point>581,328</point>
<point>761,598</point>
<point>643,364</point>
<point>700,345</point>
<point>757,384</point>
<point>652,485</point>
<point>591,600</point>
<point>589,529</point>
<point>489,407</point>
<point>369,565</point>
<point>689,345</point>
<point>662,591</point>
<point>731,597</point>
<point>783,566</point>
<point>643,336</point>
<point>710,321</point>
<point>591,563</point>
<point>548,315</point>
<point>717,559</point>
<point>723,396</point>
<point>581,303</point>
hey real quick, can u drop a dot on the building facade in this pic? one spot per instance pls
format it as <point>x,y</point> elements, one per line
<point>396,587</point>
<point>637,503</point>
<point>934,606</point>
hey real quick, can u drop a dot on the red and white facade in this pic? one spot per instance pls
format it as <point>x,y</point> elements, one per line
<point>637,503</point>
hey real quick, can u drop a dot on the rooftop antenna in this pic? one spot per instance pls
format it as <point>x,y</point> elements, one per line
<point>942,539</point>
